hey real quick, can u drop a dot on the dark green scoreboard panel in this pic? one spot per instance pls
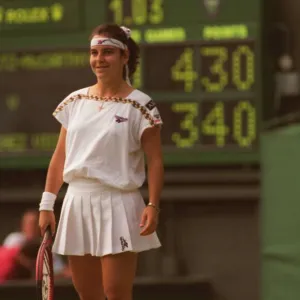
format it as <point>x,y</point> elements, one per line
<point>200,61</point>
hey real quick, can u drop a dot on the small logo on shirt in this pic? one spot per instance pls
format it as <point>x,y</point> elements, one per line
<point>124,243</point>
<point>120,119</point>
<point>150,105</point>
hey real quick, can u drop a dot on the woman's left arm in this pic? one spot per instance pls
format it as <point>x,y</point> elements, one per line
<point>151,143</point>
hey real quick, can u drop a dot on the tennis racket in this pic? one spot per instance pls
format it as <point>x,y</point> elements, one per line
<point>44,269</point>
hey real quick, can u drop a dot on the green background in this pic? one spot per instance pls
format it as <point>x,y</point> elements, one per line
<point>280,211</point>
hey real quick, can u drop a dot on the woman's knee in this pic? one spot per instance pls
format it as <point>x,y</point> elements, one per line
<point>118,273</point>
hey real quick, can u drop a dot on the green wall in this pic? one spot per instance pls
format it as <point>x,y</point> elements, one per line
<point>280,214</point>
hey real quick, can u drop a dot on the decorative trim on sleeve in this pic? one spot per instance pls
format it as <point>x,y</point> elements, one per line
<point>134,103</point>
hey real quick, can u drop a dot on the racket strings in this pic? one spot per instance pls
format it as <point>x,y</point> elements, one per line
<point>46,263</point>
<point>46,276</point>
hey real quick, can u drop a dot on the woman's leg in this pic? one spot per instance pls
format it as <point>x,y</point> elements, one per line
<point>87,277</point>
<point>118,272</point>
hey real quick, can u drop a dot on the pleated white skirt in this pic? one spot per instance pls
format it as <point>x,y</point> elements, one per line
<point>98,220</point>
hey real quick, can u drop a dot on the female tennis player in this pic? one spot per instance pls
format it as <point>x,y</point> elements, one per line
<point>106,130</point>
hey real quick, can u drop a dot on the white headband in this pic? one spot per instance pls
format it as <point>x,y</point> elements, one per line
<point>108,42</point>
<point>112,42</point>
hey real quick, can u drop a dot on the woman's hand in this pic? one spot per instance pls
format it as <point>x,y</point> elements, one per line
<point>47,218</point>
<point>149,220</point>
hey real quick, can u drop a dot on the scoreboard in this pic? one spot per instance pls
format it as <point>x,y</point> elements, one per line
<point>200,62</point>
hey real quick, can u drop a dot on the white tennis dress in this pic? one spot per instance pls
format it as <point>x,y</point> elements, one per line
<point>104,168</point>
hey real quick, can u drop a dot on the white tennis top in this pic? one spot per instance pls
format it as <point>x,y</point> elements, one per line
<point>105,144</point>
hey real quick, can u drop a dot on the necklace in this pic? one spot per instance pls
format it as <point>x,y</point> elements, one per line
<point>103,100</point>
<point>101,106</point>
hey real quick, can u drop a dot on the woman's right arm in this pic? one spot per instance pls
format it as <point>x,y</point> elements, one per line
<point>54,181</point>
<point>54,178</point>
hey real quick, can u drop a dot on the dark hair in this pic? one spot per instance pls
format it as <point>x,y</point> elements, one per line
<point>115,32</point>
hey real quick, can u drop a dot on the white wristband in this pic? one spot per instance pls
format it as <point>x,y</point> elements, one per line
<point>47,201</point>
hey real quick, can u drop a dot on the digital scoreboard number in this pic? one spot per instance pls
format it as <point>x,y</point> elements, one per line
<point>206,67</point>
<point>229,66</point>
<point>218,109</point>
<point>135,12</point>
<point>209,125</point>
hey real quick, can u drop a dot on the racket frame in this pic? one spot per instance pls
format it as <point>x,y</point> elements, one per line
<point>45,247</point>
